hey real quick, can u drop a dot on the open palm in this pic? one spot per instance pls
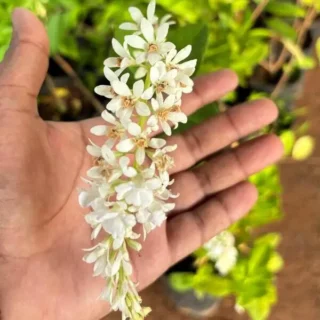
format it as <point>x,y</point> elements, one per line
<point>42,230</point>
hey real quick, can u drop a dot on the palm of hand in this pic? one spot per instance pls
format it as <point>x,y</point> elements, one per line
<point>42,228</point>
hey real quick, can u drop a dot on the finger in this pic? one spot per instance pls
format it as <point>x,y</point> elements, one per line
<point>26,62</point>
<point>225,170</point>
<point>208,88</point>
<point>220,131</point>
<point>188,231</point>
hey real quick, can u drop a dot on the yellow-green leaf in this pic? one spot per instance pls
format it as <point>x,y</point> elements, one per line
<point>303,148</point>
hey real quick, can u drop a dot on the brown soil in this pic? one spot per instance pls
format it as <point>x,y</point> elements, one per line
<point>299,282</point>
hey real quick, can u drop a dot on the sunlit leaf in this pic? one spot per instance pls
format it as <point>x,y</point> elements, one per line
<point>303,148</point>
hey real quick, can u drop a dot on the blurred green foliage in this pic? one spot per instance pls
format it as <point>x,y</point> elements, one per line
<point>252,37</point>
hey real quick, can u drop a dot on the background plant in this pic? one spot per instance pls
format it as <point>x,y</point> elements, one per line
<point>267,42</point>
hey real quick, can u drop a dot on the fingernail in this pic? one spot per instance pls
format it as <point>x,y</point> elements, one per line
<point>18,18</point>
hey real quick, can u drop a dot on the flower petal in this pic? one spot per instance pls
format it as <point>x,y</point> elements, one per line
<point>134,129</point>
<point>166,128</point>
<point>108,155</point>
<point>125,145</point>
<point>138,88</point>
<point>157,143</point>
<point>128,26</point>
<point>136,14</point>
<point>142,109</point>
<point>148,94</point>
<point>166,47</point>
<point>124,162</point>
<point>169,102</point>
<point>104,91</point>
<point>171,55</point>
<point>136,41</point>
<point>111,62</point>
<point>182,54</point>
<point>154,57</point>
<point>155,104</point>
<point>151,10</point>
<point>152,121</point>
<point>154,74</point>
<point>121,88</point>
<point>94,172</point>
<point>140,155</point>
<point>162,32</point>
<point>147,30</point>
<point>107,116</point>
<point>94,151</point>
<point>140,73</point>
<point>109,74</point>
<point>118,48</point>
<point>100,130</point>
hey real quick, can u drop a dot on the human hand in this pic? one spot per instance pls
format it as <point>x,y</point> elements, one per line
<point>42,229</point>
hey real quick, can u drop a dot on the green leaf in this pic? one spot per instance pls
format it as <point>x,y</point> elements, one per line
<point>55,31</point>
<point>275,263</point>
<point>194,34</point>
<point>285,9</point>
<point>303,148</point>
<point>303,61</point>
<point>288,139</point>
<point>282,28</point>
<point>259,257</point>
<point>270,239</point>
<point>213,285</point>
<point>181,281</point>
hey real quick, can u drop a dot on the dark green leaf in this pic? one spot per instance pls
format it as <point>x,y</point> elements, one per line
<point>55,31</point>
<point>194,34</point>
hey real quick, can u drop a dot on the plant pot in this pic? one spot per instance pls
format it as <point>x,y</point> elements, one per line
<point>188,304</point>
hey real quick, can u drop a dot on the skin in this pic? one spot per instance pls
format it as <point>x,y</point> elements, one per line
<point>42,229</point>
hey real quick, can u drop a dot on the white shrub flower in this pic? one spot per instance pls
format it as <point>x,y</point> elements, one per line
<point>129,183</point>
<point>168,110</point>
<point>221,249</point>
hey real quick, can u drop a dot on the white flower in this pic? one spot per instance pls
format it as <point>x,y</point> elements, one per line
<point>114,131</point>
<point>163,81</point>
<point>106,90</point>
<point>124,60</point>
<point>99,256</point>
<point>139,191</point>
<point>221,249</point>
<point>128,100</point>
<point>162,160</point>
<point>185,69</point>
<point>137,17</point>
<point>114,220</point>
<point>154,44</point>
<point>227,260</point>
<point>154,215</point>
<point>165,111</point>
<point>140,141</point>
<point>125,188</point>
<point>111,168</point>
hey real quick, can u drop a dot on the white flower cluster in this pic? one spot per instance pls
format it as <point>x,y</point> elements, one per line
<point>221,249</point>
<point>129,182</point>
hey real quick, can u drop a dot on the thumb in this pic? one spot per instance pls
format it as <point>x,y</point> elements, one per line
<point>26,62</point>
